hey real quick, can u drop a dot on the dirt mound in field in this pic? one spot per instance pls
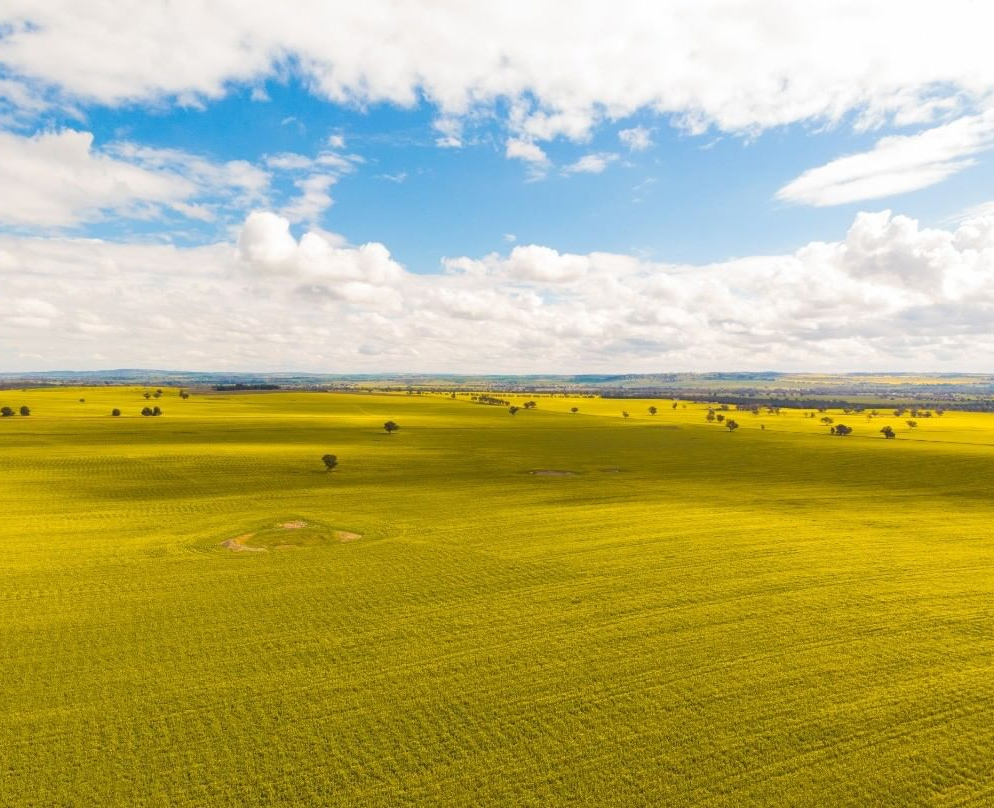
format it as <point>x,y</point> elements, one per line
<point>237,544</point>
<point>292,535</point>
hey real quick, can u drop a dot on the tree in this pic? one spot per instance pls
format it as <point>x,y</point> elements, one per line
<point>530,405</point>
<point>653,410</point>
<point>25,411</point>
<point>390,427</point>
<point>156,411</point>
<point>574,410</point>
<point>674,405</point>
<point>888,432</point>
<point>720,418</point>
<point>731,425</point>
<point>183,394</point>
<point>624,413</point>
<point>841,429</point>
<point>147,394</point>
<point>710,416</point>
<point>115,412</point>
<point>146,411</point>
<point>6,412</point>
<point>512,409</point>
<point>912,424</point>
<point>330,461</point>
<point>82,401</point>
<point>826,420</point>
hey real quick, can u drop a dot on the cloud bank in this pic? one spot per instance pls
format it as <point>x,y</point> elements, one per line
<point>889,295</point>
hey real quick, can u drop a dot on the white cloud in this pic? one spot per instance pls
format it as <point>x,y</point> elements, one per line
<point>57,179</point>
<point>890,294</point>
<point>738,67</point>
<point>525,150</point>
<point>313,200</point>
<point>591,163</point>
<point>896,164</point>
<point>636,139</point>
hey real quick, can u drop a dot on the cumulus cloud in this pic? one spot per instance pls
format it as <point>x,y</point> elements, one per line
<point>636,139</point>
<point>888,294</point>
<point>58,179</point>
<point>737,67</point>
<point>526,150</point>
<point>591,163</point>
<point>896,164</point>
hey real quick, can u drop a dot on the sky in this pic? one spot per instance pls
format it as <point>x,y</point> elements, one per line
<point>514,187</point>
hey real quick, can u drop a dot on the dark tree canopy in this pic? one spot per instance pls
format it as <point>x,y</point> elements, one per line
<point>115,412</point>
<point>653,410</point>
<point>6,412</point>
<point>390,427</point>
<point>25,411</point>
<point>574,410</point>
<point>512,409</point>
<point>731,425</point>
<point>624,413</point>
<point>330,461</point>
<point>888,432</point>
<point>841,429</point>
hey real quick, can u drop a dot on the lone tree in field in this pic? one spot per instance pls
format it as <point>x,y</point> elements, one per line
<point>6,412</point>
<point>183,394</point>
<point>390,427</point>
<point>888,432</point>
<point>330,461</point>
<point>115,412</point>
<point>653,410</point>
<point>147,394</point>
<point>82,401</point>
<point>711,415</point>
<point>530,405</point>
<point>731,425</point>
<point>512,409</point>
<point>25,411</point>
<point>624,413</point>
<point>574,410</point>
<point>841,429</point>
<point>912,424</point>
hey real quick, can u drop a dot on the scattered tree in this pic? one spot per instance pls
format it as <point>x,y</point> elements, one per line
<point>156,411</point>
<point>82,401</point>
<point>6,412</point>
<point>731,425</point>
<point>530,405</point>
<point>912,424</point>
<point>146,411</point>
<point>888,432</point>
<point>390,427</point>
<point>512,409</point>
<point>574,410</point>
<point>720,418</point>
<point>675,405</point>
<point>25,411</point>
<point>115,412</point>
<point>841,429</point>
<point>330,461</point>
<point>147,394</point>
<point>711,416</point>
<point>826,420</point>
<point>183,394</point>
<point>653,410</point>
<point>624,413</point>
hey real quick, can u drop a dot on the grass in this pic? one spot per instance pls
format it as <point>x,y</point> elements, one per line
<point>771,617</point>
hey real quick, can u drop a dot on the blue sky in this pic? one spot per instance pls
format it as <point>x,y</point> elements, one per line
<point>637,187</point>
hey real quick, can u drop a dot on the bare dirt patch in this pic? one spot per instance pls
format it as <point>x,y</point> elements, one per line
<point>552,473</point>
<point>611,471</point>
<point>238,545</point>
<point>296,524</point>
<point>347,535</point>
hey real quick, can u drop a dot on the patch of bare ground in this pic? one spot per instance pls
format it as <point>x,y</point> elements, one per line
<point>611,471</point>
<point>296,524</point>
<point>237,544</point>
<point>552,473</point>
<point>347,535</point>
